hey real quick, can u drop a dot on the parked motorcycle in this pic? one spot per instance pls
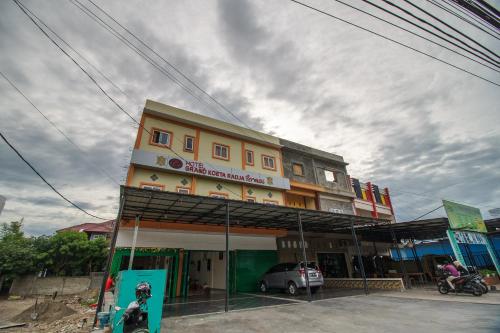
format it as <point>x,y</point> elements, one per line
<point>463,284</point>
<point>135,317</point>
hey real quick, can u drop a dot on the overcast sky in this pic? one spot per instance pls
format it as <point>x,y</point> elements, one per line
<point>400,119</point>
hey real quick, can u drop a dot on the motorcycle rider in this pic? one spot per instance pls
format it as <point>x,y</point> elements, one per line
<point>454,273</point>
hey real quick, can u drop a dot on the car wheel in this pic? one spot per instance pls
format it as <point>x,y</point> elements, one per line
<point>292,288</point>
<point>442,288</point>
<point>263,287</point>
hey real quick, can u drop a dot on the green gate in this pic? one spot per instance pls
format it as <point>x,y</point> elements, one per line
<point>250,265</point>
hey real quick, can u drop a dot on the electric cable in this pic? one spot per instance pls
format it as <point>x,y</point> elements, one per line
<point>394,41</point>
<point>171,65</point>
<point>495,62</point>
<point>411,32</point>
<point>59,130</point>
<point>129,44</point>
<point>46,182</point>
<point>470,14</point>
<point>449,26</point>
<point>100,88</point>
<point>446,9</point>
<point>137,50</point>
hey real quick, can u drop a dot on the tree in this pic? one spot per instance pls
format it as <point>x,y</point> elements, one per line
<point>16,252</point>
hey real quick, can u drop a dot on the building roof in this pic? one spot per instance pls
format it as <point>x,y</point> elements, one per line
<point>198,120</point>
<point>104,227</point>
<point>312,151</point>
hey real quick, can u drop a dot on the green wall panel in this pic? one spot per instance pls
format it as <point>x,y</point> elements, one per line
<point>250,266</point>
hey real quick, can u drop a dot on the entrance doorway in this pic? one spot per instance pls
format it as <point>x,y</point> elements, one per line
<point>207,271</point>
<point>333,265</point>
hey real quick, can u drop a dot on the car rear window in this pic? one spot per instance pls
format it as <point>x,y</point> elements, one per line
<point>311,265</point>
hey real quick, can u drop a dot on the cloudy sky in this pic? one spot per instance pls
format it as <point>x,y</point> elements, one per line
<point>402,120</point>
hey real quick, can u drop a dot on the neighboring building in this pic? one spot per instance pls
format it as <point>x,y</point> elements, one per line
<point>370,201</point>
<point>318,179</point>
<point>93,230</point>
<point>180,151</point>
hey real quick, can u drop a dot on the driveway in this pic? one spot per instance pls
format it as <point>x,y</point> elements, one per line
<point>389,312</point>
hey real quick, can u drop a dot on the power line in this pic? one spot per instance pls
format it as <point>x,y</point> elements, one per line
<point>411,32</point>
<point>58,129</point>
<point>461,17</point>
<point>394,41</point>
<point>99,86</point>
<point>441,30</point>
<point>470,14</point>
<point>429,212</point>
<point>46,182</point>
<point>451,27</point>
<point>138,51</point>
<point>172,66</point>
<point>129,44</point>
<point>143,55</point>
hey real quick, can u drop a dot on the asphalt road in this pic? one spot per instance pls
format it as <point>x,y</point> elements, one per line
<point>372,313</point>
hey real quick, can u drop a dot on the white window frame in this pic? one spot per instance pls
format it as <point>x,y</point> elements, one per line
<point>332,178</point>
<point>161,132</point>
<point>252,159</point>
<point>186,139</point>
<point>183,190</point>
<point>152,187</point>
<point>267,165</point>
<point>222,148</point>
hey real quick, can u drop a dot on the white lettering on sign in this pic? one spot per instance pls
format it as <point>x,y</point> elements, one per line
<point>151,159</point>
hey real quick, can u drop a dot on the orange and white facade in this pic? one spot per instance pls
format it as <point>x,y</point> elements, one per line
<point>181,151</point>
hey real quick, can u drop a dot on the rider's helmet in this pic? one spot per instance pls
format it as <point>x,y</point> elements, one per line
<point>142,292</point>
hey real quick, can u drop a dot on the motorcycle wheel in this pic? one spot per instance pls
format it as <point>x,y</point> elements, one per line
<point>484,286</point>
<point>442,288</point>
<point>477,291</point>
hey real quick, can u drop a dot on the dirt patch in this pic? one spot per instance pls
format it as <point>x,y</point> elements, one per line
<point>48,311</point>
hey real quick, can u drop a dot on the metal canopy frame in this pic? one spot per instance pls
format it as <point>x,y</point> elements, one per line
<point>162,206</point>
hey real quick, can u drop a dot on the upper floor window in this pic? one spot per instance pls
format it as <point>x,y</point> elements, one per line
<point>270,202</point>
<point>268,162</point>
<point>330,176</point>
<point>218,195</point>
<point>249,157</point>
<point>298,169</point>
<point>149,186</point>
<point>161,138</point>
<point>220,151</point>
<point>188,143</point>
<point>183,190</point>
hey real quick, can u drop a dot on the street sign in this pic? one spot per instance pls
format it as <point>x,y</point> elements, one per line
<point>462,217</point>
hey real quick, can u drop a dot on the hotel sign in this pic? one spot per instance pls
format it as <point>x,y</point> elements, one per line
<point>174,163</point>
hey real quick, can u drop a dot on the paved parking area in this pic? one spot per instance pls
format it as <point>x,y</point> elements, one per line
<point>215,302</point>
<point>373,313</point>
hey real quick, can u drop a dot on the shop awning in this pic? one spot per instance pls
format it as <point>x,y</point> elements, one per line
<point>162,206</point>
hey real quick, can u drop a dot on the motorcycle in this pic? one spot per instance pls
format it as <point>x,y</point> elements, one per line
<point>134,319</point>
<point>463,284</point>
<point>471,270</point>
